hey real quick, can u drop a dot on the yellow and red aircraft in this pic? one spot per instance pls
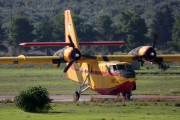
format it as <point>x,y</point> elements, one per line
<point>104,74</point>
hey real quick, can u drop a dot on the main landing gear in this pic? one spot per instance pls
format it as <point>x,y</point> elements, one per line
<point>83,87</point>
<point>127,95</point>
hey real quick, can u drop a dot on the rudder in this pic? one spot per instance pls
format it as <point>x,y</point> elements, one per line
<point>70,29</point>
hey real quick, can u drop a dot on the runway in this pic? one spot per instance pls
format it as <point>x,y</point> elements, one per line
<point>69,98</point>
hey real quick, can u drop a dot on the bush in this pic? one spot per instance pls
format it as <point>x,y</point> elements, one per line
<point>35,99</point>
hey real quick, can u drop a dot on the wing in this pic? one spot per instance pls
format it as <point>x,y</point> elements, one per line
<point>128,58</point>
<point>108,58</point>
<point>21,59</point>
<point>54,60</point>
<point>169,58</point>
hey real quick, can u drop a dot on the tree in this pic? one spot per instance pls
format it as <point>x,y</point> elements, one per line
<point>44,31</point>
<point>163,23</point>
<point>1,32</point>
<point>105,28</point>
<point>132,30</point>
<point>21,30</point>
<point>106,32</point>
<point>58,28</point>
<point>87,32</point>
<point>175,43</point>
<point>35,99</point>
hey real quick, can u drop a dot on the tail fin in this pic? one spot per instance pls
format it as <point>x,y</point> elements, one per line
<point>70,29</point>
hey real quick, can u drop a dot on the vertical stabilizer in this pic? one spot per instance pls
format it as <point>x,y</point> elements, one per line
<point>70,29</point>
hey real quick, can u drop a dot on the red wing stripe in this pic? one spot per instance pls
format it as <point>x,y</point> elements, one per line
<point>106,43</point>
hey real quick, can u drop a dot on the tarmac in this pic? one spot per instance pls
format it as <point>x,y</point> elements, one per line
<point>69,98</point>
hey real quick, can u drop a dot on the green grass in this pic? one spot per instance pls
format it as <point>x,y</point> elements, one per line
<point>13,80</point>
<point>165,84</point>
<point>97,111</point>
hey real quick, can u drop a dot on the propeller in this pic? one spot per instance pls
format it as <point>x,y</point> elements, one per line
<point>61,57</point>
<point>159,60</point>
<point>70,39</point>
<point>76,55</point>
<point>59,62</point>
<point>150,52</point>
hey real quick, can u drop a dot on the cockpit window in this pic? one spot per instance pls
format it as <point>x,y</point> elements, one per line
<point>129,67</point>
<point>121,67</point>
<point>114,68</point>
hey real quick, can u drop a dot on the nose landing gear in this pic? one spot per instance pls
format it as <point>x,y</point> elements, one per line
<point>83,87</point>
<point>76,96</point>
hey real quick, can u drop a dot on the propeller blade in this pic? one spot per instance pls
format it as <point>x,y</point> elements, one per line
<point>58,65</point>
<point>60,61</point>
<point>70,40</point>
<point>69,65</point>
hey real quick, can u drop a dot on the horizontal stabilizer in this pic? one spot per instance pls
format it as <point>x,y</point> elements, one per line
<point>104,43</point>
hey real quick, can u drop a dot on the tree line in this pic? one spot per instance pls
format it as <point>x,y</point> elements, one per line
<point>130,27</point>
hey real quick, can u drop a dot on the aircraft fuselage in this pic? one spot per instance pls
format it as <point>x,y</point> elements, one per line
<point>106,78</point>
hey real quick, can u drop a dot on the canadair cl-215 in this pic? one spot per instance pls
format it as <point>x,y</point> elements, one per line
<point>104,74</point>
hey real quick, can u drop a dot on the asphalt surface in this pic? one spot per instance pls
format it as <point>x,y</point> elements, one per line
<point>69,98</point>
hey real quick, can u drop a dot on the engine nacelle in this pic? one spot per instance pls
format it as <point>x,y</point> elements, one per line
<point>144,53</point>
<point>71,53</point>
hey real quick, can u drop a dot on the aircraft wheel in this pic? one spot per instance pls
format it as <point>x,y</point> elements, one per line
<point>76,96</point>
<point>127,95</point>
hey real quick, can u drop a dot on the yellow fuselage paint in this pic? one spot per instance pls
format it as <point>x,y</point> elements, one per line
<point>99,76</point>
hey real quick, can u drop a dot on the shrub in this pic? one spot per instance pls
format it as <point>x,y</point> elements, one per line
<point>35,99</point>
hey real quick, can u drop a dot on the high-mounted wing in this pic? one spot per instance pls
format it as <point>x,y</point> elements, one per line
<point>130,58</point>
<point>21,59</point>
<point>169,57</point>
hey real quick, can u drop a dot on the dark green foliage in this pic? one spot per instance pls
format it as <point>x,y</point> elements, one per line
<point>44,31</point>
<point>175,43</point>
<point>87,32</point>
<point>58,28</point>
<point>89,14</point>
<point>105,28</point>
<point>163,23</point>
<point>132,29</point>
<point>35,99</point>
<point>2,34</point>
<point>21,30</point>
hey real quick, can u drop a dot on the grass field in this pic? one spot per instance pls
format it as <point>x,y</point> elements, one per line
<point>13,80</point>
<point>97,111</point>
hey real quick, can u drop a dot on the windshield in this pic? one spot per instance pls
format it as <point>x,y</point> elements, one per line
<point>121,67</point>
<point>129,67</point>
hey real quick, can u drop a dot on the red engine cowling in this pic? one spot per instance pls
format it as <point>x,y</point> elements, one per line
<point>71,53</point>
<point>144,53</point>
